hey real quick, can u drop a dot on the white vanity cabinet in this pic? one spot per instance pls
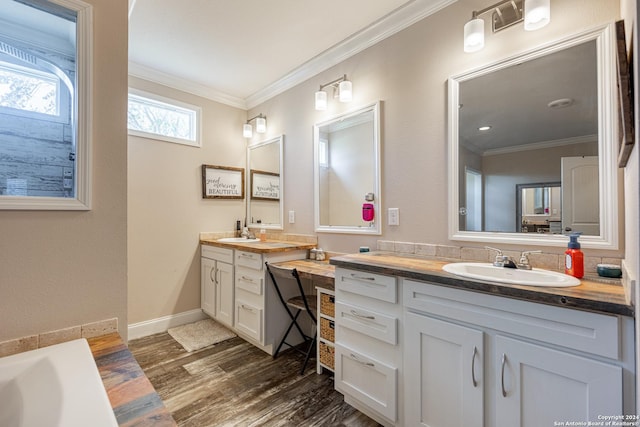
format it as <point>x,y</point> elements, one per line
<point>475,359</point>
<point>260,317</point>
<point>216,283</point>
<point>367,348</point>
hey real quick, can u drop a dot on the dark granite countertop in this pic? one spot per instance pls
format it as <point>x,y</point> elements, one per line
<point>604,296</point>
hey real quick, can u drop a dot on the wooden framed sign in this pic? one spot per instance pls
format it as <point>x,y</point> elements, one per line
<point>625,97</point>
<point>222,182</point>
<point>265,185</point>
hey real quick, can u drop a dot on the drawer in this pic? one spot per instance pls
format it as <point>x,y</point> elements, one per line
<point>249,260</point>
<point>327,329</point>
<point>368,284</point>
<point>369,381</point>
<point>219,254</point>
<point>327,304</point>
<point>579,330</point>
<point>376,325</point>
<point>250,280</point>
<point>327,355</point>
<point>249,320</point>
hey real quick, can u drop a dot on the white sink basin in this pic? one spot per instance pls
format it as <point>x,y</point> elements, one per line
<point>512,276</point>
<point>237,240</point>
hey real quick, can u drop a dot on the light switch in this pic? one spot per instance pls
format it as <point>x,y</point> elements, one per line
<point>393,216</point>
<point>292,217</point>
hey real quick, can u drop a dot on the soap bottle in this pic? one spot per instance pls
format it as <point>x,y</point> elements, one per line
<point>574,258</point>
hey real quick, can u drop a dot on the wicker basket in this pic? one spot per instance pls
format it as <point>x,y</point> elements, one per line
<point>327,329</point>
<point>327,305</point>
<point>327,355</point>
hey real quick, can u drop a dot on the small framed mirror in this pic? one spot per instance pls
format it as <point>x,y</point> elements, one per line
<point>264,184</point>
<point>347,172</point>
<point>544,116</point>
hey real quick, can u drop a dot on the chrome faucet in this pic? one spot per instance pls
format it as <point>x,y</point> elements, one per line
<point>500,259</point>
<point>523,264</point>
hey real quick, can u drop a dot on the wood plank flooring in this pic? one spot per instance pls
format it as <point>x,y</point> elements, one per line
<point>233,383</point>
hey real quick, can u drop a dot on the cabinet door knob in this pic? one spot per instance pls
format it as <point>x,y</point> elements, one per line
<point>503,363</point>
<point>473,366</point>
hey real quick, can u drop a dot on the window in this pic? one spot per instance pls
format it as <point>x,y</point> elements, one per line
<point>45,105</point>
<point>152,116</point>
<point>28,89</point>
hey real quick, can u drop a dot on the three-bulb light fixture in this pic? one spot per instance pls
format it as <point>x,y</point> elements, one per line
<point>261,125</point>
<point>535,14</point>
<point>342,89</point>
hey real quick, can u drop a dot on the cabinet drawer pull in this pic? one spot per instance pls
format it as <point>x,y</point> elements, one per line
<point>504,362</point>
<point>473,366</point>
<point>362,316</point>
<point>244,307</point>
<point>244,255</point>
<point>211,272</point>
<point>355,276</point>
<point>248,279</point>
<point>218,275</point>
<point>356,359</point>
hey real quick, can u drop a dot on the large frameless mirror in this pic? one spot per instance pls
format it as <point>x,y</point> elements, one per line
<point>264,183</point>
<point>536,132</point>
<point>347,172</point>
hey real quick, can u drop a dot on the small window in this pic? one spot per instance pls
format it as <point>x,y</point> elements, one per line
<point>27,89</point>
<point>152,116</point>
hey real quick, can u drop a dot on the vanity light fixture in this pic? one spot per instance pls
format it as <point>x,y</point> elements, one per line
<point>535,14</point>
<point>342,89</point>
<point>261,126</point>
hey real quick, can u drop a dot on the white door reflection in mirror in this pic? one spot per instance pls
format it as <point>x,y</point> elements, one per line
<point>265,184</point>
<point>346,170</point>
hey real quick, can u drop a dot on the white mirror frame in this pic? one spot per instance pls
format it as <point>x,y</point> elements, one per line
<point>279,139</point>
<point>82,112</point>
<point>607,146</point>
<point>377,202</point>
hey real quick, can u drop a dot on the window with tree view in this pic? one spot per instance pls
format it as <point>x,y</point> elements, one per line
<point>44,105</point>
<point>152,116</point>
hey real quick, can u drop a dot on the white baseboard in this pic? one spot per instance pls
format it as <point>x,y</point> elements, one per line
<point>161,324</point>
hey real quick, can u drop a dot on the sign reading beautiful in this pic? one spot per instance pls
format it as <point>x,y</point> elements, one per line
<point>222,182</point>
<point>218,187</point>
<point>271,190</point>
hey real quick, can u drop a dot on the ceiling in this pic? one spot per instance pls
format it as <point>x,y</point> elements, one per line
<point>514,102</point>
<point>242,52</point>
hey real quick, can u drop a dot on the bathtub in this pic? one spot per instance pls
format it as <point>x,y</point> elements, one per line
<point>54,386</point>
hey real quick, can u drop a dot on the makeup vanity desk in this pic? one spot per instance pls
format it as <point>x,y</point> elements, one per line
<point>321,274</point>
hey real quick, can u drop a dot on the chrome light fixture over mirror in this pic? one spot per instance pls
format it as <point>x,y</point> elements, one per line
<point>261,126</point>
<point>342,89</point>
<point>545,116</point>
<point>506,13</point>
<point>347,172</point>
<point>265,181</point>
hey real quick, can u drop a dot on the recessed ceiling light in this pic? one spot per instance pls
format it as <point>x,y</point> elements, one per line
<point>560,103</point>
<point>483,128</point>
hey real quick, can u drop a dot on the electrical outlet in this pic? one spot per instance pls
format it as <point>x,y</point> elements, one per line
<point>292,217</point>
<point>393,216</point>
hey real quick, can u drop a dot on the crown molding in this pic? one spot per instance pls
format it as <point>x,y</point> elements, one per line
<point>541,145</point>
<point>383,28</point>
<point>165,79</point>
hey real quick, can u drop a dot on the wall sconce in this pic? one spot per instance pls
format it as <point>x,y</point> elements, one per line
<point>342,89</point>
<point>536,14</point>
<point>261,126</point>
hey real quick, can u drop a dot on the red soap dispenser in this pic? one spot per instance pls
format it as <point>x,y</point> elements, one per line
<point>574,258</point>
